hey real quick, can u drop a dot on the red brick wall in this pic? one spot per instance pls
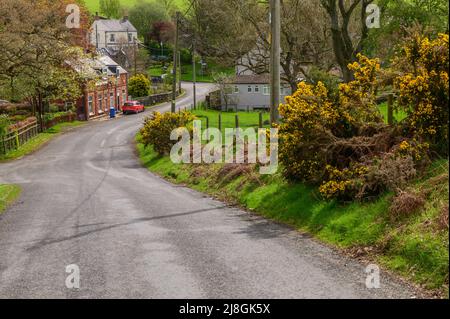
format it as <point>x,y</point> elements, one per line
<point>105,90</point>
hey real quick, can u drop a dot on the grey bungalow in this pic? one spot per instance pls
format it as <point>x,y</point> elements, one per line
<point>251,92</point>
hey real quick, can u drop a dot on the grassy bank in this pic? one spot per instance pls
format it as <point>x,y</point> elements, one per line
<point>415,246</point>
<point>39,140</point>
<point>8,194</point>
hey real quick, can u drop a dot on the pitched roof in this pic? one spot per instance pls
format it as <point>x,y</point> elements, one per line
<point>117,25</point>
<point>252,79</point>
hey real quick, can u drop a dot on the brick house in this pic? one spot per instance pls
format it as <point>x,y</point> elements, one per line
<point>109,89</point>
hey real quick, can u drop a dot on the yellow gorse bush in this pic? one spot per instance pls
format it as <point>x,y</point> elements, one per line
<point>423,87</point>
<point>157,129</point>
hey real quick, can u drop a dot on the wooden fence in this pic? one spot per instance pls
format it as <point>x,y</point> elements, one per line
<point>15,139</point>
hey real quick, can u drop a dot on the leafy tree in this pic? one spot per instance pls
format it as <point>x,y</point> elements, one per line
<point>111,8</point>
<point>401,17</point>
<point>35,47</point>
<point>139,85</point>
<point>143,16</point>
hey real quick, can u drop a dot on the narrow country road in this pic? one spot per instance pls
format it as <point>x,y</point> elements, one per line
<point>87,201</point>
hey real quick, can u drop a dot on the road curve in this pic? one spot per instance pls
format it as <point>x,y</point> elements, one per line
<point>87,201</point>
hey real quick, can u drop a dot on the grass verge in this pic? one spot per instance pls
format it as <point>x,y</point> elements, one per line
<point>8,194</point>
<point>38,141</point>
<point>415,246</point>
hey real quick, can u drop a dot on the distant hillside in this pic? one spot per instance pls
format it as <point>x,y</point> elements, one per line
<point>93,5</point>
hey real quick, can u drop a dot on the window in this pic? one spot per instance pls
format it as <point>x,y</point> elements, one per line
<point>90,105</point>
<point>130,37</point>
<point>124,96</point>
<point>100,103</point>
<point>256,88</point>
<point>111,100</point>
<point>112,37</point>
<point>249,89</point>
<point>266,90</point>
<point>236,89</point>
<point>284,91</point>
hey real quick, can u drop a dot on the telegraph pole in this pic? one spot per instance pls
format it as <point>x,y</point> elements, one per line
<point>275,22</point>
<point>179,67</point>
<point>194,75</point>
<point>175,64</point>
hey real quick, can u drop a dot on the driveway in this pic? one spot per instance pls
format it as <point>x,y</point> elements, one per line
<point>87,201</point>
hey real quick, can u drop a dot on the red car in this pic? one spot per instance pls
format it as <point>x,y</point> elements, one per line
<point>133,107</point>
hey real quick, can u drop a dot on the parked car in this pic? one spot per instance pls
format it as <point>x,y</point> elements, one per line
<point>133,107</point>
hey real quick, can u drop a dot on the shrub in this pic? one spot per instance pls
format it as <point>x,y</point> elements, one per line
<point>157,129</point>
<point>343,144</point>
<point>139,86</point>
<point>423,88</point>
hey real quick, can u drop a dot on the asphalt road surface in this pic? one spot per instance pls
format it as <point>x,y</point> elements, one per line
<point>87,201</point>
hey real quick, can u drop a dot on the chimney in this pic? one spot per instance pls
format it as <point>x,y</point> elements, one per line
<point>96,17</point>
<point>125,18</point>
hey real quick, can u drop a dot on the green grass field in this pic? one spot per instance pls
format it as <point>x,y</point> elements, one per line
<point>94,5</point>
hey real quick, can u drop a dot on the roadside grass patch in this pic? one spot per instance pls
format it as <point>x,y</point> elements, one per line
<point>414,246</point>
<point>39,140</point>
<point>8,194</point>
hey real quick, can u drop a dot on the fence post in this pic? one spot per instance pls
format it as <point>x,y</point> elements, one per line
<point>220,122</point>
<point>17,139</point>
<point>390,109</point>
<point>236,120</point>
<point>3,145</point>
<point>260,120</point>
<point>207,122</point>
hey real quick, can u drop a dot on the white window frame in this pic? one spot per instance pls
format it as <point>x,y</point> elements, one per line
<point>236,89</point>
<point>112,102</point>
<point>112,38</point>
<point>256,89</point>
<point>250,89</point>
<point>91,105</point>
<point>266,90</point>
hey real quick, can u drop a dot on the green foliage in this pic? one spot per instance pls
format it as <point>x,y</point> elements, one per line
<point>4,123</point>
<point>139,86</point>
<point>144,14</point>
<point>111,8</point>
<point>158,128</point>
<point>398,17</point>
<point>330,81</point>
